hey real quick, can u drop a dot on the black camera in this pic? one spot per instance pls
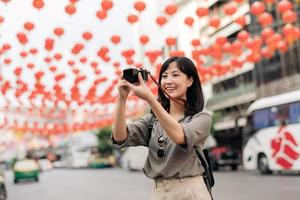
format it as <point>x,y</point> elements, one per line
<point>131,75</point>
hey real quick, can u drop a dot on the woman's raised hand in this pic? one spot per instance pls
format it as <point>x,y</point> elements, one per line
<point>123,88</point>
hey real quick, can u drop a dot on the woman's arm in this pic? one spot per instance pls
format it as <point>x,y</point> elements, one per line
<point>119,124</point>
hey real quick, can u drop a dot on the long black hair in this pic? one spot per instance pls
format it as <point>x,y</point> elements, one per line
<point>194,95</point>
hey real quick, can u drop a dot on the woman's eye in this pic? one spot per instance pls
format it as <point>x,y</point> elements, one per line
<point>164,76</point>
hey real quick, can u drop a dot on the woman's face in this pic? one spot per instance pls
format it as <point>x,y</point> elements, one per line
<point>175,82</point>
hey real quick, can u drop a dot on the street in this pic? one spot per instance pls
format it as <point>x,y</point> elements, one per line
<point>113,184</point>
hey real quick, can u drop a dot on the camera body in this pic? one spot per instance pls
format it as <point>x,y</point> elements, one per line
<point>131,75</point>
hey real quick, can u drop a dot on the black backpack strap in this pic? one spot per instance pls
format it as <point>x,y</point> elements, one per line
<point>207,174</point>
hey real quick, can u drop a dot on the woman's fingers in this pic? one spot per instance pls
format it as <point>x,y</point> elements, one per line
<point>141,80</point>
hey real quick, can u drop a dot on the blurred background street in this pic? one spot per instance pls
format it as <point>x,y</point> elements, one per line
<point>112,184</point>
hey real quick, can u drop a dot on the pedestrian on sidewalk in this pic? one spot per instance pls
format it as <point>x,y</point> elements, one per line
<point>171,131</point>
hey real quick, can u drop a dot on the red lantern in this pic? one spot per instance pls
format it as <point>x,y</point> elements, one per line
<point>161,20</point>
<point>189,21</point>
<point>52,68</point>
<point>87,36</point>
<point>289,16</point>
<point>267,32</point>
<point>23,54</point>
<point>243,35</point>
<point>115,39</point>
<point>18,71</point>
<point>57,56</point>
<point>33,51</point>
<point>230,8</point>
<point>1,19</point>
<point>282,46</point>
<point>70,9</point>
<point>29,26</point>
<point>106,4</point>
<point>195,42</point>
<point>241,21</point>
<point>265,19</point>
<point>132,18</point>
<point>59,31</point>
<point>139,6</point>
<point>257,8</point>
<point>171,41</point>
<point>101,14</point>
<point>30,65</point>
<point>49,44</point>
<point>83,59</point>
<point>144,39</point>
<point>171,9</point>
<point>6,46</point>
<point>202,11</point>
<point>22,38</point>
<point>221,40</point>
<point>214,22</point>
<point>239,1</point>
<point>284,5</point>
<point>38,4</point>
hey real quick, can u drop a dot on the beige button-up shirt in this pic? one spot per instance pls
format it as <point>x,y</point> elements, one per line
<point>179,160</point>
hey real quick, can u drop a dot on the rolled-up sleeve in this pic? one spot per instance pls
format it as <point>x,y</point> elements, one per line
<point>196,130</point>
<point>138,133</point>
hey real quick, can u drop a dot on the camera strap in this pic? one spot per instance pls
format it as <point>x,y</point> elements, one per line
<point>165,92</point>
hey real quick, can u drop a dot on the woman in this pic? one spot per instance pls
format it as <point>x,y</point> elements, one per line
<point>173,129</point>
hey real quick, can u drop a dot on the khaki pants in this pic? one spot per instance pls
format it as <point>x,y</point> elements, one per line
<point>189,188</point>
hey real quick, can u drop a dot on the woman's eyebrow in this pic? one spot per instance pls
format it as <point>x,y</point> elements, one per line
<point>171,72</point>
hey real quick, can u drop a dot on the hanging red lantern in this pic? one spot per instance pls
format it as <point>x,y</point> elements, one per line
<point>57,56</point>
<point>7,61</point>
<point>282,46</point>
<point>139,6</point>
<point>189,21</point>
<point>70,9</point>
<point>241,21</point>
<point>49,44</point>
<point>83,59</point>
<point>239,1</point>
<point>47,59</point>
<point>161,20</point>
<point>257,8</point>
<point>59,31</point>
<point>221,40</point>
<point>38,4</point>
<point>115,39</point>
<point>171,9</point>
<point>6,47</point>
<point>230,8</point>
<point>18,71</point>
<point>101,14</point>
<point>106,4</point>
<point>22,38</point>
<point>87,35</point>
<point>33,51</point>
<point>267,32</point>
<point>53,68</point>
<point>289,16</point>
<point>266,52</point>
<point>243,35</point>
<point>132,18</point>
<point>29,26</point>
<point>265,19</point>
<point>1,19</point>
<point>171,41</point>
<point>195,42</point>
<point>30,65</point>
<point>202,11</point>
<point>284,5</point>
<point>23,54</point>
<point>214,22</point>
<point>116,64</point>
<point>144,39</point>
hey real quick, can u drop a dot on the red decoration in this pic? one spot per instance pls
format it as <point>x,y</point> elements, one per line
<point>230,8</point>
<point>257,8</point>
<point>29,26</point>
<point>171,41</point>
<point>189,21</point>
<point>214,22</point>
<point>115,39</point>
<point>38,4</point>
<point>284,5</point>
<point>161,20</point>
<point>87,35</point>
<point>70,9</point>
<point>139,6</point>
<point>49,44</point>
<point>202,11</point>
<point>282,46</point>
<point>22,38</point>
<point>289,16</point>
<point>195,42</point>
<point>132,18</point>
<point>241,21</point>
<point>106,4</point>
<point>171,9</point>
<point>101,14</point>
<point>144,39</point>
<point>267,32</point>
<point>59,31</point>
<point>243,35</point>
<point>265,19</point>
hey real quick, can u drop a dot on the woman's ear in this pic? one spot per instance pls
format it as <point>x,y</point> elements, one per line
<point>190,81</point>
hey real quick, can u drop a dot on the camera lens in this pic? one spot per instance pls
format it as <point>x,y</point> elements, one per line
<point>131,75</point>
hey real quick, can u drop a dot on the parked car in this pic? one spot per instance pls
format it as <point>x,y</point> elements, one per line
<point>26,169</point>
<point>3,192</point>
<point>221,156</point>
